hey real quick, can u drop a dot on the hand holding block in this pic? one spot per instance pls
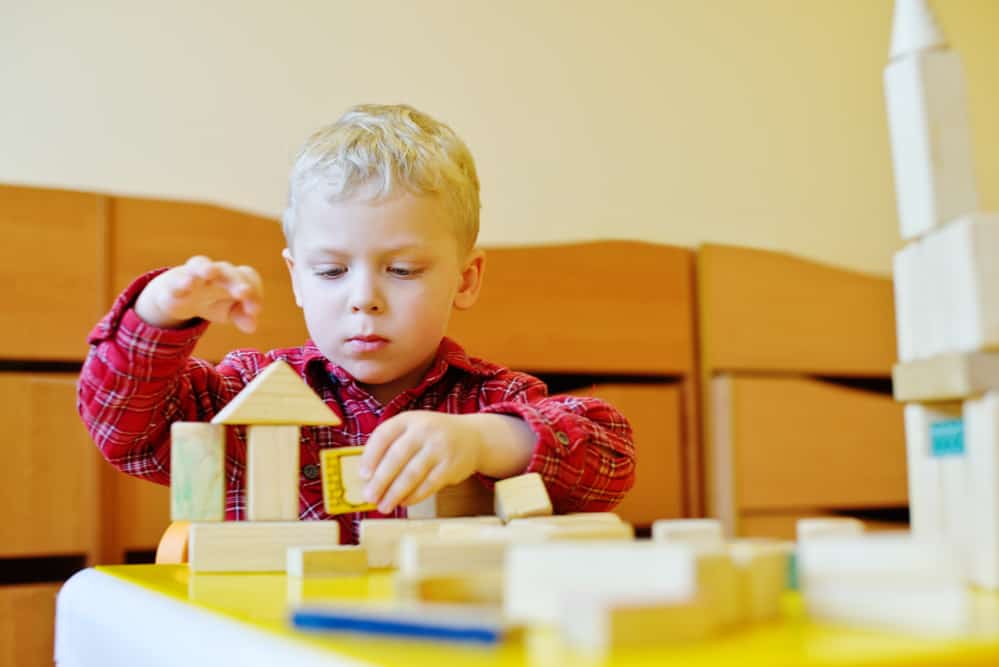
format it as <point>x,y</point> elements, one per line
<point>522,496</point>
<point>197,482</point>
<point>343,488</point>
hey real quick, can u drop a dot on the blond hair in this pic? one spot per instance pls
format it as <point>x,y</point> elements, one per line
<point>373,151</point>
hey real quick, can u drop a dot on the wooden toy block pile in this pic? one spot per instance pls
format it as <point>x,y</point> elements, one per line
<point>947,318</point>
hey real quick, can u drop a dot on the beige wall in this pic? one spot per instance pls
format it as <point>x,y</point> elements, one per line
<point>678,121</point>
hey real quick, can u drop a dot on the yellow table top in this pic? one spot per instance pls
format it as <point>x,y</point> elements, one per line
<point>262,601</point>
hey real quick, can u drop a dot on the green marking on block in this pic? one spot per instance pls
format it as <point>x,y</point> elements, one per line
<point>947,438</point>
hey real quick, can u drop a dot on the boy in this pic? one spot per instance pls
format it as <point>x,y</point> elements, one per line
<point>381,225</point>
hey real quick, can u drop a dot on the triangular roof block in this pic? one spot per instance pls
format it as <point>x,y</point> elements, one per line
<point>277,396</point>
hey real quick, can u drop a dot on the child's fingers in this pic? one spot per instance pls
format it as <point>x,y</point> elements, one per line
<point>411,476</point>
<point>244,320</point>
<point>431,484</point>
<point>378,443</point>
<point>395,459</point>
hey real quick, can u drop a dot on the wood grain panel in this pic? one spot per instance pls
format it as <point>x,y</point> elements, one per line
<point>51,267</point>
<point>48,483</point>
<point>147,234</point>
<point>141,514</point>
<point>655,415</point>
<point>607,307</point>
<point>795,442</point>
<point>27,625</point>
<point>767,311</point>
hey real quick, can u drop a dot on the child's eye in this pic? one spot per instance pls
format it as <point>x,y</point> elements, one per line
<point>403,271</point>
<point>328,274</point>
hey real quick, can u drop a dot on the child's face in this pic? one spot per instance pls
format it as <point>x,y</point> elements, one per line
<point>377,281</point>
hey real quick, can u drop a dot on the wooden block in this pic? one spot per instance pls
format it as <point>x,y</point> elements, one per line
<point>381,536</point>
<point>272,476</point>
<point>946,377</point>
<point>455,623</point>
<point>197,482</point>
<point>925,490</point>
<point>574,519</point>
<point>696,532</point>
<point>548,532</point>
<point>941,612</point>
<point>343,488</point>
<point>595,624</point>
<point>881,561</point>
<point>277,396</point>
<point>762,567</point>
<point>172,549</point>
<point>479,587</point>
<point>327,561</point>
<point>243,546</point>
<point>431,554</point>
<point>537,576</point>
<point>468,498</point>
<point>981,424</point>
<point>811,528</point>
<point>931,140</point>
<point>522,496</point>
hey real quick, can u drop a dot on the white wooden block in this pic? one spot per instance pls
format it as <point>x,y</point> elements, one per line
<point>522,496</point>
<point>431,554</point>
<point>762,566</point>
<point>539,575</point>
<point>380,537</point>
<point>940,611</point>
<point>326,561</point>
<point>812,528</point>
<point>908,297</point>
<point>245,546</point>
<point>595,624</point>
<point>696,532</point>
<point>877,561</point>
<point>931,140</point>
<point>925,490</point>
<point>197,471</point>
<point>981,424</point>
<point>272,476</point>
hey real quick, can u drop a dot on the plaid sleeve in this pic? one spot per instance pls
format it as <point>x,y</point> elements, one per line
<point>585,451</point>
<point>138,379</point>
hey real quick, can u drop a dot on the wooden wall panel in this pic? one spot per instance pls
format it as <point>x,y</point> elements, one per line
<point>607,307</point>
<point>141,513</point>
<point>770,312</point>
<point>148,234</point>
<point>27,625</point>
<point>48,483</point>
<point>51,268</point>
<point>654,411</point>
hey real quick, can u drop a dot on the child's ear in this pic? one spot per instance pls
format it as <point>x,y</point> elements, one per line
<point>290,263</point>
<point>471,280</point>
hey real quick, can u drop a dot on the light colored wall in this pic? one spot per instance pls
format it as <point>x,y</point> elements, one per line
<point>679,121</point>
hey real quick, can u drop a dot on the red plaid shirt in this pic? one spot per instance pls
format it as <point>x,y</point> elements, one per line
<point>138,379</point>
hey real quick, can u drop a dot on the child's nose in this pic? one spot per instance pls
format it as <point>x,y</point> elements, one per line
<point>365,298</point>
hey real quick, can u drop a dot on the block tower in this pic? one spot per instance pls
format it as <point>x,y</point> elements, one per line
<point>946,300</point>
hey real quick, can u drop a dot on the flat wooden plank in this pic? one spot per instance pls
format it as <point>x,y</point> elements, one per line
<point>953,376</point>
<point>795,443</point>
<point>53,253</point>
<point>244,546</point>
<point>197,482</point>
<point>277,396</point>
<point>769,311</point>
<point>272,476</point>
<point>648,287</point>
<point>48,482</point>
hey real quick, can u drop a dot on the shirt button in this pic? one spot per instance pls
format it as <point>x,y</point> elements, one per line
<point>311,471</point>
<point>562,437</point>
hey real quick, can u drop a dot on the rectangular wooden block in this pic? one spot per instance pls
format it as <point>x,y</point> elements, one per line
<point>431,554</point>
<point>553,532</point>
<point>946,377</point>
<point>926,516</point>
<point>478,587</point>
<point>981,424</point>
<point>522,496</point>
<point>272,475</point>
<point>931,140</point>
<point>596,624</point>
<point>197,481</point>
<point>468,498</point>
<point>811,528</point>
<point>343,488</point>
<point>243,546</point>
<point>696,532</point>
<point>538,576</point>
<point>381,537</point>
<point>327,561</point>
<point>762,567</point>
<point>943,611</point>
<point>877,561</point>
